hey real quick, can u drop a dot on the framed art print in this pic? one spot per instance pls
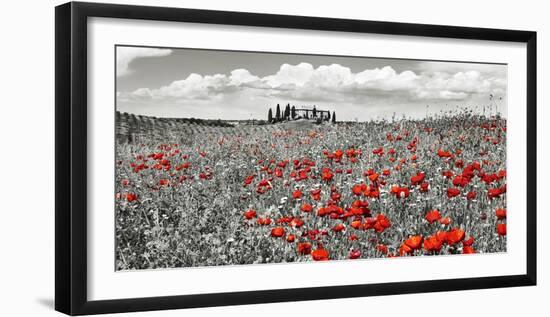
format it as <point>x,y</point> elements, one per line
<point>225,158</point>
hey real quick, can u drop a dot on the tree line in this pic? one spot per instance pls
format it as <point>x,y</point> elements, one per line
<point>291,113</point>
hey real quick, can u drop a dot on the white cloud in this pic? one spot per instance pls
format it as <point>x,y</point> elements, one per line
<point>331,83</point>
<point>194,87</point>
<point>125,55</point>
<point>458,86</point>
<point>387,79</point>
<point>290,75</point>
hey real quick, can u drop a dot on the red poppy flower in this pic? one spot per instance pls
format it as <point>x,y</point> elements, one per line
<point>373,177</point>
<point>187,165</point>
<point>124,182</point>
<point>320,255</point>
<point>414,242</point>
<point>316,194</point>
<point>424,187</point>
<point>369,223</point>
<point>468,250</point>
<point>290,238</point>
<point>496,192</point>
<point>372,193</point>
<point>433,216</point>
<point>471,195</point>
<point>358,189</point>
<point>468,242</point>
<point>453,192</point>
<point>351,153</point>
<point>140,167</point>
<point>360,203</point>
<point>445,221</point>
<point>304,248</point>
<point>327,175</point>
<point>447,174</point>
<point>356,224</point>
<point>400,192</point>
<point>353,237</point>
<point>130,197</point>
<point>382,248</point>
<point>277,232</point>
<point>443,154</point>
<point>297,194</point>
<point>323,211</point>
<point>378,151</point>
<point>489,178</point>
<point>441,236</point>
<point>460,181</point>
<point>306,208</point>
<point>338,153</point>
<point>296,222</point>
<point>383,221</point>
<point>405,249</point>
<point>282,164</point>
<point>263,221</point>
<point>284,220</point>
<point>249,214</point>
<point>356,211</point>
<point>339,227</point>
<point>164,182</point>
<point>501,229</point>
<point>378,227</point>
<point>432,243</point>
<point>418,178</point>
<point>379,224</point>
<point>354,254</point>
<point>455,235</point>
<point>500,213</point>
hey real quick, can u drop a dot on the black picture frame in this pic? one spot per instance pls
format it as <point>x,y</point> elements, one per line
<point>71,157</point>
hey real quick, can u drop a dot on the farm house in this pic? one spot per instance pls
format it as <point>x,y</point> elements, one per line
<point>293,113</point>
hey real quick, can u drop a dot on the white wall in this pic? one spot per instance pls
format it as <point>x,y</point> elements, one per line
<point>27,156</point>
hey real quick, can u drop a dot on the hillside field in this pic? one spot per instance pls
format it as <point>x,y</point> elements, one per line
<point>190,194</point>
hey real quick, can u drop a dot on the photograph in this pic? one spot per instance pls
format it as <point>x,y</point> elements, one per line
<point>239,158</point>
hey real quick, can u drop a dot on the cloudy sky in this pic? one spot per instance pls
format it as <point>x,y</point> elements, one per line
<point>242,85</point>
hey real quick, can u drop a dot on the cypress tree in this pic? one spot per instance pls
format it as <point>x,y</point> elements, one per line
<point>333,117</point>
<point>278,114</point>
<point>328,116</point>
<point>314,112</point>
<point>287,112</point>
<point>270,116</point>
<point>293,112</point>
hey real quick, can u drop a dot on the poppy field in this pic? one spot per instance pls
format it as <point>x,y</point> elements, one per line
<point>300,191</point>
